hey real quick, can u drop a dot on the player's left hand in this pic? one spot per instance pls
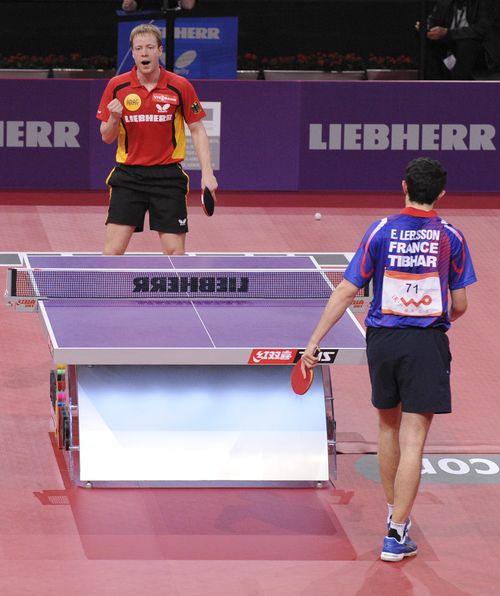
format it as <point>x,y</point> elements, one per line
<point>209,181</point>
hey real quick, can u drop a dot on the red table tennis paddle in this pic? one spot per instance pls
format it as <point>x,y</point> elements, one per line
<point>208,202</point>
<point>300,381</point>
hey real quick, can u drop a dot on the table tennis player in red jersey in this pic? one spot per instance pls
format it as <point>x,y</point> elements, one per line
<point>420,266</point>
<point>145,110</point>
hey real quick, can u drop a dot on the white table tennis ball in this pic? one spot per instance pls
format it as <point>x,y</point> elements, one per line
<point>317,215</point>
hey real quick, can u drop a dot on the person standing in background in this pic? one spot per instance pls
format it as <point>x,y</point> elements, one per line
<point>456,30</point>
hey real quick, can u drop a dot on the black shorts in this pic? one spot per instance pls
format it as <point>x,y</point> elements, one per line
<point>161,190</point>
<point>411,367</point>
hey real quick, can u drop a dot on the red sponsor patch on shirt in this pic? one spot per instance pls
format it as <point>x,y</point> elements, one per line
<point>165,98</point>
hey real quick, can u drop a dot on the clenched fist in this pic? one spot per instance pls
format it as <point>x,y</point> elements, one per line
<point>115,109</point>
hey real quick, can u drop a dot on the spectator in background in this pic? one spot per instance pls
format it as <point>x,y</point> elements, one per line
<point>131,5</point>
<point>492,42</point>
<point>455,33</point>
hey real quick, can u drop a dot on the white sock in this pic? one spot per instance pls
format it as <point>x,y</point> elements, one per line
<point>390,509</point>
<point>400,529</point>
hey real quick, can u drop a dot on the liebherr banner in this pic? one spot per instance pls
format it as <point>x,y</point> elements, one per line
<point>360,136</point>
<point>268,135</point>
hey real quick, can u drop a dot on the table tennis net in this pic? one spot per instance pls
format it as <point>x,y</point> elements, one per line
<point>186,284</point>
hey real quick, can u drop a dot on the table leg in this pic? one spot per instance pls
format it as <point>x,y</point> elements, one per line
<point>331,430</point>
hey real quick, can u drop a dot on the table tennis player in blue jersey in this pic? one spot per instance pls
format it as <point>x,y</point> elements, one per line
<point>420,267</point>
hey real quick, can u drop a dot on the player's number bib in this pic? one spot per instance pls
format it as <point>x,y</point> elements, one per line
<point>412,294</point>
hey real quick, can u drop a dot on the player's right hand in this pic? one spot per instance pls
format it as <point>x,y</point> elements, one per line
<point>115,109</point>
<point>310,357</point>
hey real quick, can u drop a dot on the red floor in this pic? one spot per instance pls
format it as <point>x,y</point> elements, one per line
<point>54,536</point>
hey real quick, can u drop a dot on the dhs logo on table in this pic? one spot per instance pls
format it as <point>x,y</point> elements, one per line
<point>287,356</point>
<point>272,356</point>
<point>325,356</point>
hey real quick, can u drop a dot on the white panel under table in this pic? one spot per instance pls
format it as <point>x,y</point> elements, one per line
<point>199,423</point>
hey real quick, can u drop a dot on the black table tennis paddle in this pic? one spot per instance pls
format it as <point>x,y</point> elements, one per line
<point>208,202</point>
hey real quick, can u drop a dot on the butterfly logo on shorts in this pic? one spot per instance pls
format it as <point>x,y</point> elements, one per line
<point>182,222</point>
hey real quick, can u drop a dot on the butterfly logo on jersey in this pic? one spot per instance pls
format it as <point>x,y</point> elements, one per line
<point>163,108</point>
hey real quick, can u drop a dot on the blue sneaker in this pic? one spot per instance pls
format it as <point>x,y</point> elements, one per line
<point>394,550</point>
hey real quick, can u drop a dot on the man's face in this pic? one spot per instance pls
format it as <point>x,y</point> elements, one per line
<point>146,53</point>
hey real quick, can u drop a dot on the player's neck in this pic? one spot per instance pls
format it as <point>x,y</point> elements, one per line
<point>149,80</point>
<point>421,206</point>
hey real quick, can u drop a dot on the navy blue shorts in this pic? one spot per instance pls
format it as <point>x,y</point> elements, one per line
<point>161,190</point>
<point>410,366</point>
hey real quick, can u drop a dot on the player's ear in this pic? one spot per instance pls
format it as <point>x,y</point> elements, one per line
<point>440,196</point>
<point>404,186</point>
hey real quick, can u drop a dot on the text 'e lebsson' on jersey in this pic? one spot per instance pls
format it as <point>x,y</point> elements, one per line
<point>151,130</point>
<point>414,258</point>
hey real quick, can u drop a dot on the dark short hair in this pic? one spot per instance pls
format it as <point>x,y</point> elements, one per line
<point>425,179</point>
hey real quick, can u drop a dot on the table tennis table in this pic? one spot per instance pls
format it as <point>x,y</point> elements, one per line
<point>180,374</point>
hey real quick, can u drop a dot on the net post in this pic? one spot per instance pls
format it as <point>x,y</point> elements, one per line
<point>11,282</point>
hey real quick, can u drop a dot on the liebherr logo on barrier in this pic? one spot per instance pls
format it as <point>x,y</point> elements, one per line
<point>398,137</point>
<point>39,133</point>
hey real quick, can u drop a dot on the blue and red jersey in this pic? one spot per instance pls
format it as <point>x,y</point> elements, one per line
<point>414,259</point>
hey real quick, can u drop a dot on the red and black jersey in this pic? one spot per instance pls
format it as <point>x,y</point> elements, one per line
<point>151,128</point>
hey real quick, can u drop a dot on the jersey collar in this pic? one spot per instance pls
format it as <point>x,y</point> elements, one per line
<point>162,81</point>
<point>418,212</point>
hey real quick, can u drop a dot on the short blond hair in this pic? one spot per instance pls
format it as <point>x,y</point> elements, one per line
<point>145,30</point>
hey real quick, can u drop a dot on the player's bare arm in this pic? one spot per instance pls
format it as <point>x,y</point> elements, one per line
<point>109,129</point>
<point>202,148</point>
<point>458,303</point>
<point>339,302</point>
